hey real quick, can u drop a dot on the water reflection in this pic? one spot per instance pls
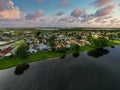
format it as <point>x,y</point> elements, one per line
<point>98,52</point>
<point>112,46</point>
<point>63,57</point>
<point>81,73</point>
<point>19,70</point>
<point>76,55</point>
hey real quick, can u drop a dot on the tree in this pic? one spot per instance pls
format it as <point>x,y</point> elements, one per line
<point>38,33</point>
<point>61,50</point>
<point>99,42</point>
<point>52,41</point>
<point>75,47</point>
<point>89,37</point>
<point>118,35</point>
<point>78,37</point>
<point>111,36</point>
<point>21,51</point>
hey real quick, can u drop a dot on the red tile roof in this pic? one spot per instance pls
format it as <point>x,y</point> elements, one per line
<point>7,50</point>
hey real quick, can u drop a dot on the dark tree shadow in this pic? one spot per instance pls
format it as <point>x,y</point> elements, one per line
<point>98,52</point>
<point>63,57</point>
<point>76,55</point>
<point>19,70</point>
<point>112,46</point>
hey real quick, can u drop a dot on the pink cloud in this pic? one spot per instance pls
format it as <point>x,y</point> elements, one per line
<point>77,12</point>
<point>8,10</point>
<point>100,3</point>
<point>103,19</point>
<point>35,16</point>
<point>3,4</point>
<point>105,11</point>
<point>64,19</point>
<point>100,15</point>
<point>115,20</point>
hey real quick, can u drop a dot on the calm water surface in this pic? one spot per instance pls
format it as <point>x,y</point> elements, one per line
<point>93,70</point>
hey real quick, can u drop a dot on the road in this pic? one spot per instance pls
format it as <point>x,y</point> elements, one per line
<point>7,45</point>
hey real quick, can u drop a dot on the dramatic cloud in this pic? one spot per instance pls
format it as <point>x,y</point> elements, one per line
<point>100,15</point>
<point>3,4</point>
<point>67,19</point>
<point>103,19</point>
<point>80,16</point>
<point>100,3</point>
<point>60,13</point>
<point>115,20</point>
<point>87,17</point>
<point>8,10</point>
<point>64,19</point>
<point>77,12</point>
<point>64,3</point>
<point>103,15</point>
<point>105,11</point>
<point>35,16</point>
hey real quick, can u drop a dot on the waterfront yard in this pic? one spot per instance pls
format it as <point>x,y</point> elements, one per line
<point>63,42</point>
<point>117,42</point>
<point>14,61</point>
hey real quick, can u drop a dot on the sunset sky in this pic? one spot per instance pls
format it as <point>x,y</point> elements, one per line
<point>59,13</point>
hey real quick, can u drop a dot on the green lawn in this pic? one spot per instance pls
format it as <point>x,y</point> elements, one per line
<point>117,42</point>
<point>13,61</point>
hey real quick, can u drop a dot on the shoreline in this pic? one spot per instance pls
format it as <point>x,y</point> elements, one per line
<point>40,56</point>
<point>5,63</point>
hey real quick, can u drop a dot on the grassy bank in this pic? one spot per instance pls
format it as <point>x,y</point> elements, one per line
<point>13,61</point>
<point>116,42</point>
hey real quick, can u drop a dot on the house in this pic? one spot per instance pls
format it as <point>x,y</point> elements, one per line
<point>80,43</point>
<point>43,47</point>
<point>57,45</point>
<point>29,41</point>
<point>68,46</point>
<point>33,49</point>
<point>6,52</point>
<point>2,42</point>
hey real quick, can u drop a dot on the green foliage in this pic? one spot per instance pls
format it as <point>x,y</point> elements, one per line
<point>78,37</point>
<point>111,37</point>
<point>7,35</point>
<point>99,42</point>
<point>40,39</point>
<point>38,33</point>
<point>75,47</point>
<point>21,51</point>
<point>61,50</point>
<point>89,37</point>
<point>118,35</point>
<point>52,41</point>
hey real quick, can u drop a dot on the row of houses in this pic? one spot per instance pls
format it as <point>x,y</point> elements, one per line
<point>7,52</point>
<point>38,47</point>
<point>34,48</point>
<point>68,44</point>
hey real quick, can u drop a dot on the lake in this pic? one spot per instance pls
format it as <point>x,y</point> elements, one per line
<point>94,70</point>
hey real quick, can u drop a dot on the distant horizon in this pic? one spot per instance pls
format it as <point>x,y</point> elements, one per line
<point>42,28</point>
<point>59,13</point>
